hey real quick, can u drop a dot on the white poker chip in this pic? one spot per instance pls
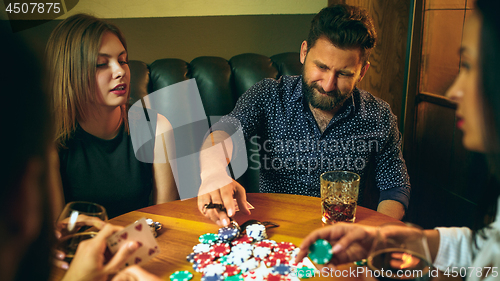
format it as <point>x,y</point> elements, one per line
<point>261,252</point>
<point>257,231</point>
<point>201,248</point>
<point>249,265</point>
<point>214,269</point>
<point>242,248</point>
<point>236,259</point>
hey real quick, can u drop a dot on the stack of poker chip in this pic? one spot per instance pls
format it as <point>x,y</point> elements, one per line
<point>257,232</point>
<point>230,257</point>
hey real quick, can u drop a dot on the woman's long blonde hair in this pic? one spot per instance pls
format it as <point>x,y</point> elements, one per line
<point>71,59</point>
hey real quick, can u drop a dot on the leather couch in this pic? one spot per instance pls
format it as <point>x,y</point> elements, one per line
<point>220,83</point>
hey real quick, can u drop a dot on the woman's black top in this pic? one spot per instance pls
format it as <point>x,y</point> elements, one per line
<point>105,172</point>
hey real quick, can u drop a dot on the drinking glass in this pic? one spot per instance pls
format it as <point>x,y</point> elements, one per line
<point>339,196</point>
<point>400,253</point>
<point>77,222</point>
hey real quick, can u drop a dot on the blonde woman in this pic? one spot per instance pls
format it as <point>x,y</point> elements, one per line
<point>89,82</point>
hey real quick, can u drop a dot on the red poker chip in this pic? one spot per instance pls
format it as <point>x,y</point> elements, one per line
<point>276,258</point>
<point>200,266</point>
<point>231,270</point>
<point>284,247</point>
<point>220,249</point>
<point>204,257</point>
<point>243,239</point>
<point>279,256</point>
<point>265,244</point>
<point>276,277</point>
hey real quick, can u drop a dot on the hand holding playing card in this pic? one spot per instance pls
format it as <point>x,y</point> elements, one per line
<point>88,263</point>
<point>139,232</point>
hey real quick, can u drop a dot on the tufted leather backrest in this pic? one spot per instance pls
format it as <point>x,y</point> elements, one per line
<point>220,83</point>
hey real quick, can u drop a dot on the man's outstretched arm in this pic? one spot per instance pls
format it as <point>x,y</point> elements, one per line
<point>217,186</point>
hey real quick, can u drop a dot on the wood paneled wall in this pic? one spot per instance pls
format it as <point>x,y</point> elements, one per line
<point>386,76</point>
<point>447,180</point>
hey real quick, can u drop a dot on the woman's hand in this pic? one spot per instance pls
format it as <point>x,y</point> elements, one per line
<point>89,262</point>
<point>61,231</point>
<point>351,242</point>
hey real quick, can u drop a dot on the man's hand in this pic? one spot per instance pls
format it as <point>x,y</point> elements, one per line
<point>89,262</point>
<point>351,242</point>
<point>223,195</point>
<point>392,208</point>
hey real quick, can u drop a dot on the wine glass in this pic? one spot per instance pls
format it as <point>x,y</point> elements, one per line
<point>400,253</point>
<point>77,222</point>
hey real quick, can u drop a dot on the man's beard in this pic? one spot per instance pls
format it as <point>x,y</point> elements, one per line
<point>322,100</point>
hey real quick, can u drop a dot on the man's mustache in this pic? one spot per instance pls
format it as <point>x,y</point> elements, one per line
<point>321,90</point>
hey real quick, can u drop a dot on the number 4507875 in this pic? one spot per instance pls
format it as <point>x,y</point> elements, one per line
<point>32,8</point>
<point>479,272</point>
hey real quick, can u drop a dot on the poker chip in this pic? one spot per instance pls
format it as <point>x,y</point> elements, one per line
<point>249,265</point>
<point>212,278</point>
<point>235,259</point>
<point>256,231</point>
<point>236,277</point>
<point>243,248</point>
<point>199,267</point>
<point>304,272</point>
<point>208,238</point>
<point>231,270</point>
<point>181,276</point>
<point>242,240</point>
<point>190,257</point>
<point>227,234</point>
<point>281,269</point>
<point>201,248</point>
<point>223,259</point>
<point>203,257</point>
<point>220,249</point>
<point>214,269</point>
<point>284,247</point>
<point>320,252</point>
<point>283,257</point>
<point>266,244</point>
<point>261,252</point>
<point>276,277</point>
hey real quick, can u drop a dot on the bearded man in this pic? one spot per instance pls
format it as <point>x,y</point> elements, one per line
<point>316,122</point>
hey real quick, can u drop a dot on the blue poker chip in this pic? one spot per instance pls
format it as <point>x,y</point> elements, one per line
<point>190,257</point>
<point>212,278</point>
<point>227,234</point>
<point>282,269</point>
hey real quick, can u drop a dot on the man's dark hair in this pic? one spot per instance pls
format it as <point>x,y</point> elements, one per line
<point>347,27</point>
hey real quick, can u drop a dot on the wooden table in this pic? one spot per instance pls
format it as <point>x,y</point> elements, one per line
<point>182,225</point>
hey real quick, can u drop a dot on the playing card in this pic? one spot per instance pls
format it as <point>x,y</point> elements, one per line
<point>138,231</point>
<point>250,207</point>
